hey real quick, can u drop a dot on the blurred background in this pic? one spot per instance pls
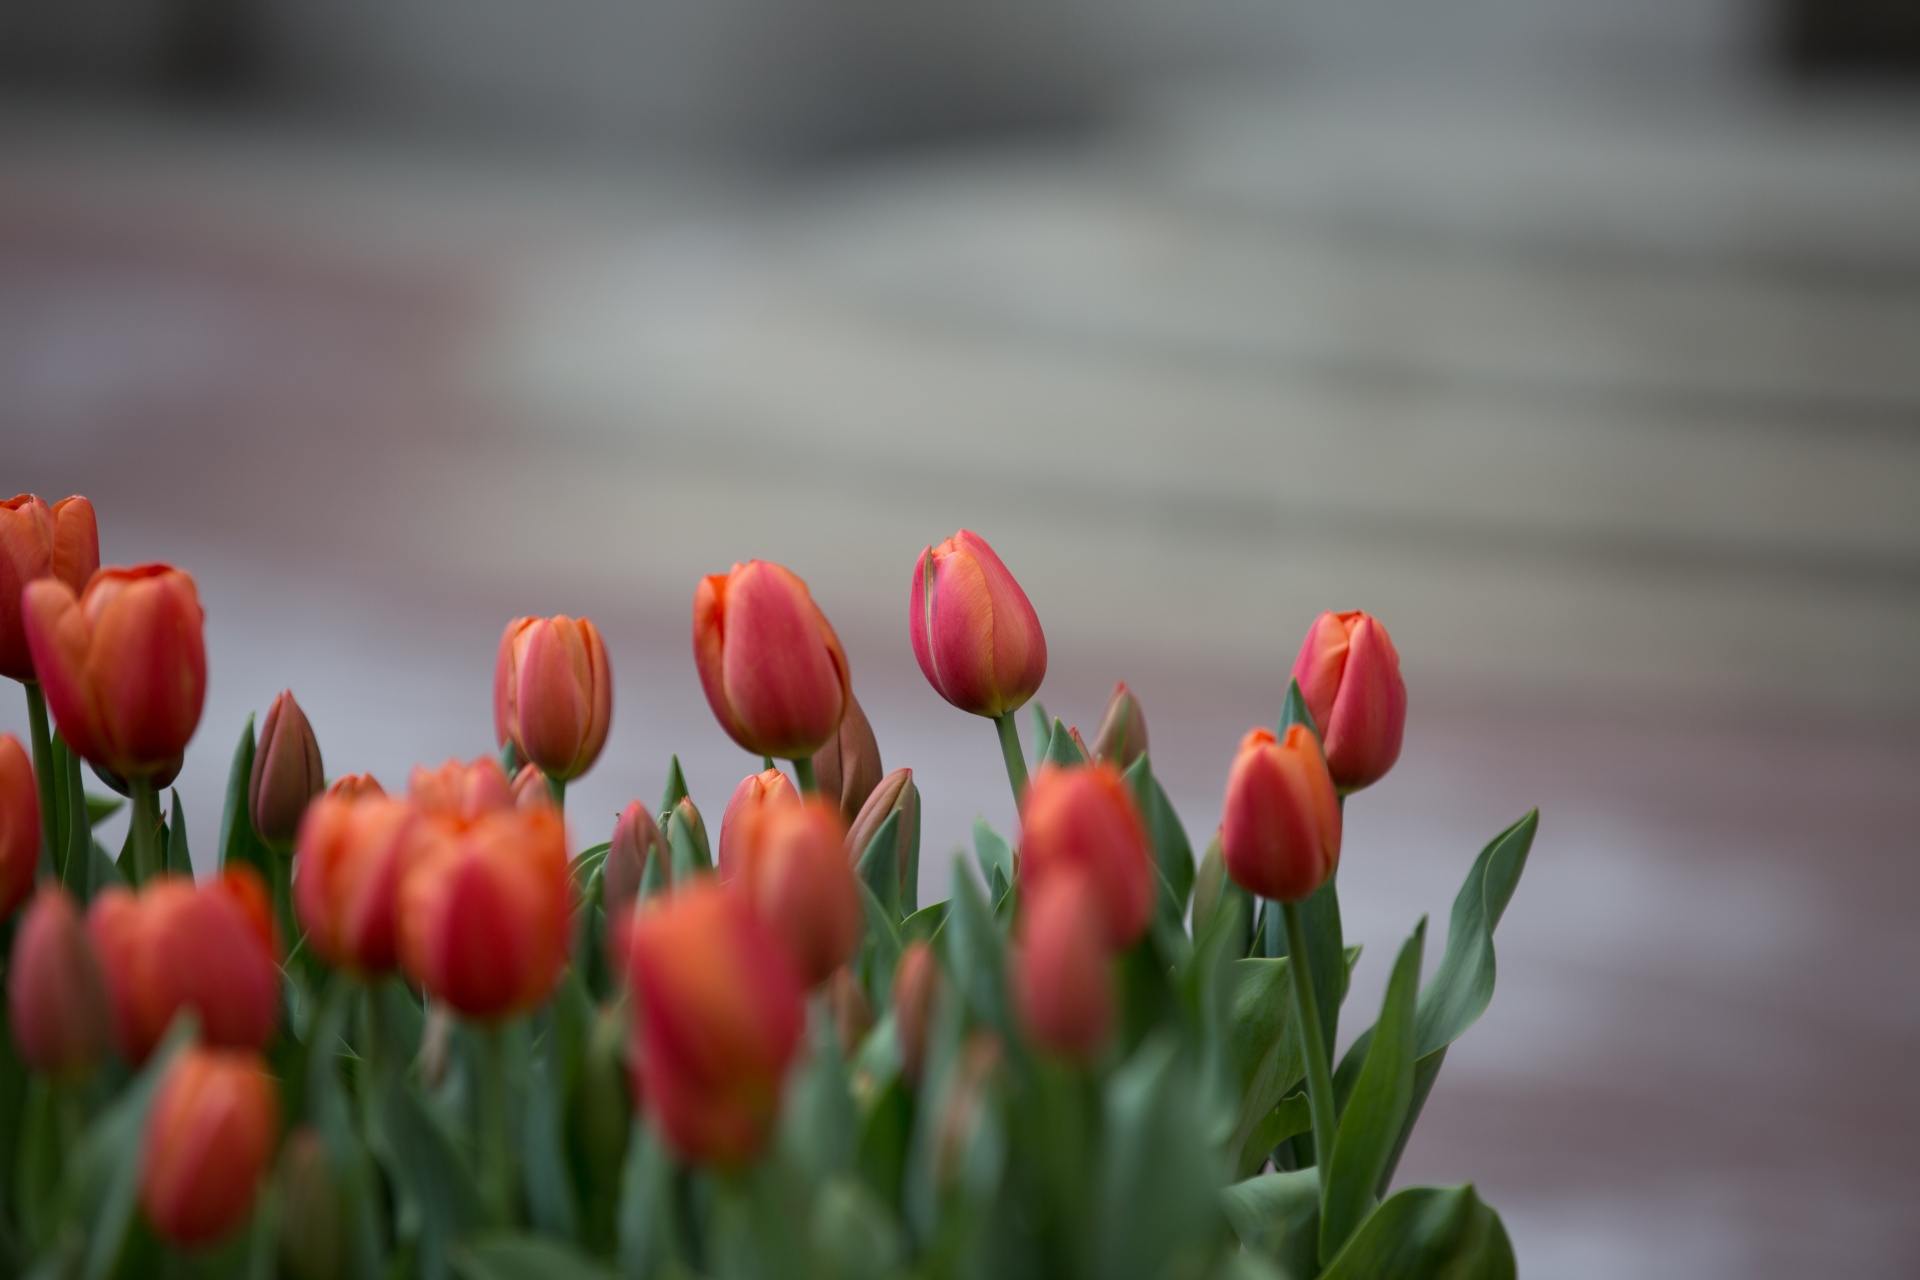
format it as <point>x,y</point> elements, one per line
<point>1579,340</point>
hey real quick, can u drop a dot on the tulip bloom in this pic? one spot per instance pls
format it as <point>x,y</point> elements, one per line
<point>916,985</point>
<point>847,769</point>
<point>750,801</point>
<point>19,825</point>
<point>1122,736</point>
<point>209,1139</point>
<point>553,693</point>
<point>286,771</point>
<point>1280,833</point>
<point>974,631</point>
<point>56,993</point>
<point>354,786</point>
<point>797,876</point>
<point>895,794</point>
<point>772,668</point>
<point>1086,820</point>
<point>1349,673</point>
<point>461,794</point>
<point>38,541</point>
<point>484,912</point>
<point>123,666</point>
<point>720,1014</point>
<point>636,841</point>
<point>1062,984</point>
<point>347,875</point>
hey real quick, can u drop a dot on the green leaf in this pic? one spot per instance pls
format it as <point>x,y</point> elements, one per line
<point>1262,1051</point>
<point>687,841</point>
<point>76,858</point>
<point>1213,889</point>
<point>510,1255</point>
<point>347,1157</point>
<point>1370,1128</point>
<point>676,788</point>
<point>238,843</point>
<point>1041,729</point>
<point>1172,851</point>
<point>1277,1215</point>
<point>100,808</point>
<point>436,1177</point>
<point>546,1179</point>
<point>1159,1176</point>
<point>880,952</point>
<point>179,860</point>
<point>104,1171</point>
<point>886,1129</point>
<point>648,1231</point>
<point>1290,1117</point>
<point>924,925</point>
<point>976,952</point>
<point>1062,750</point>
<point>1428,1233</point>
<point>1293,710</point>
<point>991,850</point>
<point>853,1233</point>
<point>817,1116</point>
<point>878,869</point>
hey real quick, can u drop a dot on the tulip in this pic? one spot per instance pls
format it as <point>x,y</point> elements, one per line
<point>19,825</point>
<point>964,1104</point>
<point>461,794</point>
<point>745,809</point>
<point>348,868</point>
<point>916,986</point>
<point>1280,834</point>
<point>553,693</point>
<point>1349,674</point>
<point>484,912</point>
<point>1122,736</point>
<point>895,794</point>
<point>1062,984</point>
<point>975,633</point>
<point>720,1016</point>
<point>849,1009</point>
<point>209,1138</point>
<point>286,772</point>
<point>796,874</point>
<point>772,668</point>
<point>1086,819</point>
<point>355,786</point>
<point>38,541</point>
<point>847,769</point>
<point>312,1227</point>
<point>636,841</point>
<point>56,993</point>
<point>530,790</point>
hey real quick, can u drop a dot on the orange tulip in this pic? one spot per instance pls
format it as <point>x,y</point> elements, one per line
<point>916,986</point>
<point>636,841</point>
<point>1280,832</point>
<point>1349,673</point>
<point>772,668</point>
<point>530,790</point>
<point>484,912</point>
<point>797,876</point>
<point>286,771</point>
<point>974,632</point>
<point>56,993</point>
<point>847,769</point>
<point>123,666</point>
<point>38,541</point>
<point>553,693</point>
<point>354,786</point>
<point>1085,819</point>
<point>209,1139</point>
<point>756,794</point>
<point>459,793</point>
<point>1062,980</point>
<point>347,875</point>
<point>720,1015</point>
<point>19,825</point>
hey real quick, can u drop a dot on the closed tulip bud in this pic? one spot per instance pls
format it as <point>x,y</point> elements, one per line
<point>916,987</point>
<point>312,1219</point>
<point>484,913</point>
<point>1086,820</point>
<point>895,794</point>
<point>851,1011</point>
<point>975,633</point>
<point>530,790</point>
<point>1280,833</point>
<point>286,771</point>
<point>797,876</point>
<point>847,769</point>
<point>56,993</point>
<point>347,877</point>
<point>1122,736</point>
<point>1062,982</point>
<point>19,825</point>
<point>461,793</point>
<point>38,541</point>
<point>746,808</point>
<point>123,666</point>
<point>636,841</point>
<point>356,786</point>
<point>720,1016</point>
<point>770,663</point>
<point>553,693</point>
<point>209,1138</point>
<point>1349,674</point>
<point>965,1104</point>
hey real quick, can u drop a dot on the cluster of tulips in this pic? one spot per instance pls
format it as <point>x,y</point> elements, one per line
<point>398,1034</point>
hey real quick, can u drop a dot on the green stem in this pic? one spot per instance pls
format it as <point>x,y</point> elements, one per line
<point>1015,758</point>
<point>803,772</point>
<point>146,829</point>
<point>496,1147</point>
<point>43,770</point>
<point>557,788</point>
<point>281,863</point>
<point>1307,1010</point>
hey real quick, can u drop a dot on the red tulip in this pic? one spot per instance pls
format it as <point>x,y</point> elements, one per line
<point>553,693</point>
<point>123,666</point>
<point>916,986</point>
<point>484,912</point>
<point>1122,736</point>
<point>351,855</point>
<point>19,825</point>
<point>797,876</point>
<point>38,541</point>
<point>1280,832</point>
<point>55,989</point>
<point>355,786</point>
<point>1085,819</point>
<point>770,663</point>
<point>209,1139</point>
<point>461,794</point>
<point>847,769</point>
<point>286,771</point>
<point>1062,980</point>
<point>720,1015</point>
<point>756,794</point>
<point>636,841</point>
<point>975,633</point>
<point>1349,673</point>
